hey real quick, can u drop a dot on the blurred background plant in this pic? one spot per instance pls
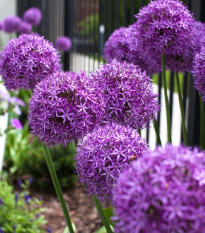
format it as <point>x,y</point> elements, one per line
<point>24,157</point>
<point>19,212</point>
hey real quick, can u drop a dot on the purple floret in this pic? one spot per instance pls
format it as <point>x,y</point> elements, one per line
<point>25,27</point>
<point>65,107</point>
<point>33,16</point>
<point>11,24</point>
<point>63,43</point>
<point>27,60</point>
<point>199,72</point>
<point>165,27</point>
<point>122,45</point>
<point>128,94</point>
<point>164,191</point>
<point>103,154</point>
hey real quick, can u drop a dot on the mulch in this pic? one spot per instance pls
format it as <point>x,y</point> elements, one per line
<point>81,209</point>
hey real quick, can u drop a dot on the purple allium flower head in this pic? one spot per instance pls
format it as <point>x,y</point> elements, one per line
<point>33,16</point>
<point>16,123</point>
<point>1,25</point>
<point>128,94</point>
<point>164,191</point>
<point>103,154</point>
<point>165,27</point>
<point>122,45</point>
<point>199,35</point>
<point>63,43</point>
<point>1,230</point>
<point>11,24</point>
<point>199,72</point>
<point>27,60</point>
<point>25,27</point>
<point>65,107</point>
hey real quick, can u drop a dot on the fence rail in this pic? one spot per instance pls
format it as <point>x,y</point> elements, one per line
<point>89,23</point>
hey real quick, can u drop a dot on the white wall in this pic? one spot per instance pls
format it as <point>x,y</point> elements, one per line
<point>7,8</point>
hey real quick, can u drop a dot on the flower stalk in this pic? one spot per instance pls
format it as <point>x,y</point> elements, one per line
<point>184,131</point>
<point>57,187</point>
<point>166,100</point>
<point>102,214</point>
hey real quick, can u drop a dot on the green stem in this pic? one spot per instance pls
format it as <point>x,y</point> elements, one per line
<point>57,187</point>
<point>184,131</point>
<point>166,100</point>
<point>102,214</point>
<point>202,126</point>
<point>157,133</point>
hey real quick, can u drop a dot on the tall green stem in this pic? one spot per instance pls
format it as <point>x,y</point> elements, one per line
<point>202,126</point>
<point>166,100</point>
<point>57,187</point>
<point>184,131</point>
<point>157,133</point>
<point>102,215</point>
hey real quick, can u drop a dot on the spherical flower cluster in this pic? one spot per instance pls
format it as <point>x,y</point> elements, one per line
<point>128,94</point>
<point>117,45</point>
<point>27,60</point>
<point>198,36</point>
<point>165,27</point>
<point>122,45</point>
<point>33,16</point>
<point>25,27</point>
<point>103,154</point>
<point>164,191</point>
<point>65,107</point>
<point>63,43</point>
<point>11,24</point>
<point>199,72</point>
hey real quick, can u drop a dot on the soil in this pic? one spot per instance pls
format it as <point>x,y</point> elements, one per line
<point>81,209</point>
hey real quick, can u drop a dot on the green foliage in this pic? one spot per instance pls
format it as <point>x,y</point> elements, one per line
<point>25,216</point>
<point>24,156</point>
<point>89,27</point>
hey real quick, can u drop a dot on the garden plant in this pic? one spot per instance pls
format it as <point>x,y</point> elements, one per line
<point>103,112</point>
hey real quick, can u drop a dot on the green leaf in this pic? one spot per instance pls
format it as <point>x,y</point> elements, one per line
<point>66,229</point>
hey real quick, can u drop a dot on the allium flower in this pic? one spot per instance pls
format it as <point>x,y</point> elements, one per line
<point>1,202</point>
<point>11,24</point>
<point>199,72</point>
<point>199,35</point>
<point>164,191</point>
<point>27,60</point>
<point>16,123</point>
<point>103,154</point>
<point>1,230</point>
<point>27,198</point>
<point>25,27</point>
<point>63,43</point>
<point>128,94</point>
<point>65,107</point>
<point>165,27</point>
<point>33,16</point>
<point>122,45</point>
<point>1,25</point>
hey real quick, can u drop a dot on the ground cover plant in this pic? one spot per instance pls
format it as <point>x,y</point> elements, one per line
<point>103,112</point>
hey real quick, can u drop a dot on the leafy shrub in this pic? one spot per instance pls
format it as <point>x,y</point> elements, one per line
<point>18,212</point>
<point>24,156</point>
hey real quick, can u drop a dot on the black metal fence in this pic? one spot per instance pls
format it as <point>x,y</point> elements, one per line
<point>89,23</point>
